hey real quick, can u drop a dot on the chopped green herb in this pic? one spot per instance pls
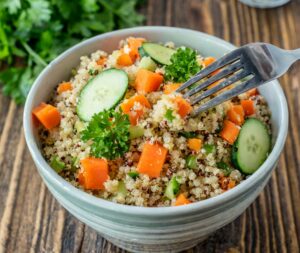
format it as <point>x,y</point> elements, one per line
<point>191,162</point>
<point>133,174</point>
<point>183,65</point>
<point>74,163</point>
<point>188,135</point>
<point>93,71</point>
<point>169,115</point>
<point>172,188</point>
<point>109,131</point>
<point>57,164</point>
<point>209,148</point>
<point>225,167</point>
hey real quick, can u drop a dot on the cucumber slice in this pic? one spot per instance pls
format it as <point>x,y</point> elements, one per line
<point>158,52</point>
<point>191,162</point>
<point>135,132</point>
<point>172,188</point>
<point>147,63</point>
<point>103,92</point>
<point>252,146</point>
<point>142,52</point>
<point>122,191</point>
<point>79,126</point>
<point>57,164</point>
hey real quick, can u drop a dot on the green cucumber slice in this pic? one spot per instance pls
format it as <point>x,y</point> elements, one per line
<point>159,53</point>
<point>122,191</point>
<point>172,188</point>
<point>103,92</point>
<point>191,162</point>
<point>135,132</point>
<point>142,52</point>
<point>252,147</point>
<point>57,164</point>
<point>147,63</point>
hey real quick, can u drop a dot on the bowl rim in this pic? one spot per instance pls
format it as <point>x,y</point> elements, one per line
<point>89,199</point>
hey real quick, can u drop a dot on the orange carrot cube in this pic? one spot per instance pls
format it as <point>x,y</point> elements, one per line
<point>152,159</point>
<point>230,131</point>
<point>94,173</point>
<point>48,115</point>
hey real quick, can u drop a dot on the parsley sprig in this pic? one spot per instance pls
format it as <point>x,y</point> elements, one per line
<point>109,131</point>
<point>34,32</point>
<point>183,65</point>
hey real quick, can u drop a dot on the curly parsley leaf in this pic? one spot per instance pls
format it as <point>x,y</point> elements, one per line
<point>183,65</point>
<point>109,131</point>
<point>34,32</point>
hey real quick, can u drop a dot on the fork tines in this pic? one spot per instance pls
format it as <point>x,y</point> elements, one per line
<point>232,68</point>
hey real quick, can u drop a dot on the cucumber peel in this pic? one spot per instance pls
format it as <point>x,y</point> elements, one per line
<point>158,53</point>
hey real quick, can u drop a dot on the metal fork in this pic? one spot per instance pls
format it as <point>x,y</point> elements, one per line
<point>251,66</point>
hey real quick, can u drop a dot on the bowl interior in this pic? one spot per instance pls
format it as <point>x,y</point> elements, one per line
<point>60,69</point>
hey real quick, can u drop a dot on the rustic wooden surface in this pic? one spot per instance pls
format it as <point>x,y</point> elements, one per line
<point>33,221</point>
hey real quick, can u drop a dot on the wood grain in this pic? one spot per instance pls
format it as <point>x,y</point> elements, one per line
<point>32,221</point>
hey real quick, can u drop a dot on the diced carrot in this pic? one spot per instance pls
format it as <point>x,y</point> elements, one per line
<point>48,115</point>
<point>101,61</point>
<point>134,44</point>
<point>181,200</point>
<point>195,144</point>
<point>35,121</point>
<point>170,88</point>
<point>214,84</point>
<point>94,173</point>
<point>222,90</point>
<point>65,86</point>
<point>231,184</point>
<point>230,131</point>
<point>128,107</point>
<point>152,159</point>
<point>124,60</point>
<point>184,108</point>
<point>147,81</point>
<point>81,178</point>
<point>128,104</point>
<point>223,182</point>
<point>252,92</point>
<point>248,106</point>
<point>236,114</point>
<point>209,60</point>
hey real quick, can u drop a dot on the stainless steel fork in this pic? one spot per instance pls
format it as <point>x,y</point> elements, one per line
<point>249,66</point>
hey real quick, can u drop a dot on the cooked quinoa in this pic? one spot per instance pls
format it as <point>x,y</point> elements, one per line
<point>206,180</point>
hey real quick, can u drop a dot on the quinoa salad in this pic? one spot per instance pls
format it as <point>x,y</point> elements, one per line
<point>119,130</point>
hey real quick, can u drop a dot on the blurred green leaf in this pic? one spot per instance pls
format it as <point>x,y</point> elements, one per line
<point>39,30</point>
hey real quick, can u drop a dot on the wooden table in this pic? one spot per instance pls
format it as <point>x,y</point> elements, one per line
<point>33,221</point>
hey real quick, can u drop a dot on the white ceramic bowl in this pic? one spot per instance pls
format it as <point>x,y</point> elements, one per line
<point>163,229</point>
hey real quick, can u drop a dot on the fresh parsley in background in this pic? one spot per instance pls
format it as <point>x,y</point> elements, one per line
<point>34,32</point>
<point>183,65</point>
<point>109,131</point>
